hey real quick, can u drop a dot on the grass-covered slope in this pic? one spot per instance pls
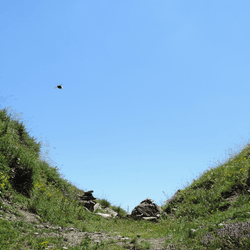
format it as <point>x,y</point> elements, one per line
<point>220,195</point>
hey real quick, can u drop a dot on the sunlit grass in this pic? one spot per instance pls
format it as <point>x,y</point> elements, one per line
<point>34,183</point>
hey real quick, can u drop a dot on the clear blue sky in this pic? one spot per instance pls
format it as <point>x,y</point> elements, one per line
<point>153,91</point>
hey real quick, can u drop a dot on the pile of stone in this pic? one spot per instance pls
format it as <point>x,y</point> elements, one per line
<point>87,200</point>
<point>146,210</point>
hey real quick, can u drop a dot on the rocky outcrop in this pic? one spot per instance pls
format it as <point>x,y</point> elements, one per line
<point>146,210</point>
<point>87,200</point>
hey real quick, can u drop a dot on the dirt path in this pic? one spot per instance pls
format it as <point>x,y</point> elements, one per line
<point>73,236</point>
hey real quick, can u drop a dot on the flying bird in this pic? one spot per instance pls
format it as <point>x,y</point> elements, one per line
<point>59,86</point>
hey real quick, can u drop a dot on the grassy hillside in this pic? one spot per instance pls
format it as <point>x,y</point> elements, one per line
<point>220,195</point>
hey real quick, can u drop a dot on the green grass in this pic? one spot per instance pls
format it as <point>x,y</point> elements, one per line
<point>219,195</point>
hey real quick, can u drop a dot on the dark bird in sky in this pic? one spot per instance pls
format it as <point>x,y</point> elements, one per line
<point>59,86</point>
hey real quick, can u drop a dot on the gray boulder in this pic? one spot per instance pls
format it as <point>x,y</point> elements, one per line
<point>146,210</point>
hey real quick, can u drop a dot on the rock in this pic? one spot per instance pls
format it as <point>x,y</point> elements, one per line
<point>97,206</point>
<point>109,212</point>
<point>87,200</point>
<point>154,219</point>
<point>146,210</point>
<point>129,215</point>
<point>106,216</point>
<point>89,203</point>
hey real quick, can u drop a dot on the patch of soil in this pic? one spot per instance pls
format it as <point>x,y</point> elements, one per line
<point>72,236</point>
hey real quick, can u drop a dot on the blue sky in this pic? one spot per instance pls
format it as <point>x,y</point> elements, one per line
<point>154,92</point>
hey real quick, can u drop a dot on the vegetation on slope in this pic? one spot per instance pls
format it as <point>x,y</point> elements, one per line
<point>220,195</point>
